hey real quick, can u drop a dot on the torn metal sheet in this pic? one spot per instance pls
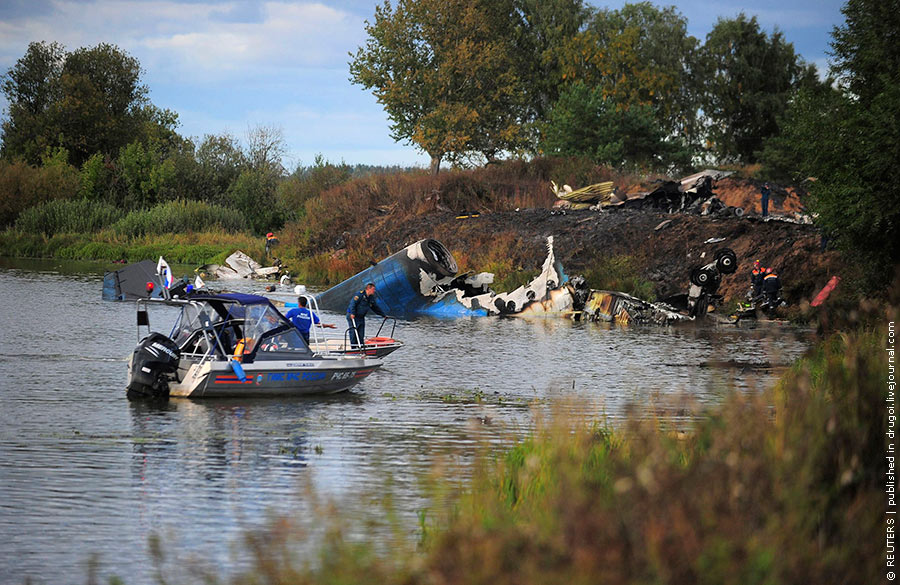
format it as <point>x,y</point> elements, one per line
<point>422,279</point>
<point>239,265</point>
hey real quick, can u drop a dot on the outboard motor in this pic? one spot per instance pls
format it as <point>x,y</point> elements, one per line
<point>154,360</point>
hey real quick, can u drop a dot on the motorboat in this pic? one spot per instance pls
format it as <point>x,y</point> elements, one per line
<point>230,344</point>
<point>379,345</point>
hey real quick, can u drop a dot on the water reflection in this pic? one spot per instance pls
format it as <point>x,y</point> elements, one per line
<point>84,471</point>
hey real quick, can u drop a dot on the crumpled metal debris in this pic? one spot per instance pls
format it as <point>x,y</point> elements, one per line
<point>624,309</point>
<point>239,265</point>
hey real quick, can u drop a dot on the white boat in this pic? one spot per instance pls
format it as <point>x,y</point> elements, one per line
<point>235,345</point>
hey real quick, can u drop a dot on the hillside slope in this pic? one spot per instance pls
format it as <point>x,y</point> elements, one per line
<point>663,256</point>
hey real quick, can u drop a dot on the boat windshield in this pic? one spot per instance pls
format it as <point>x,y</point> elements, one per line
<point>240,329</point>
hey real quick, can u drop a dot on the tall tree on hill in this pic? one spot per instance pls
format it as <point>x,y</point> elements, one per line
<point>641,55</point>
<point>847,139</point>
<point>445,72</point>
<point>748,80</point>
<point>546,30</point>
<point>88,101</point>
<point>584,122</point>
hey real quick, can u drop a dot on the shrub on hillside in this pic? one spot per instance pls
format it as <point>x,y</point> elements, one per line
<point>23,186</point>
<point>67,216</point>
<point>180,216</point>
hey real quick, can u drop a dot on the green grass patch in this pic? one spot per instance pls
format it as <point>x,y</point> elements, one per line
<point>620,273</point>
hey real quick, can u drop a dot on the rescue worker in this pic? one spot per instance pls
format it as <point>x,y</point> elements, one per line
<point>303,318</point>
<point>771,287</point>
<point>756,279</point>
<point>271,240</point>
<point>359,305</point>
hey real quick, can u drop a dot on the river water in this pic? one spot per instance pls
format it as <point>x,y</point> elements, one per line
<point>85,474</point>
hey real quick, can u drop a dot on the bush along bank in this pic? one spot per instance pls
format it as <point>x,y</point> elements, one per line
<point>193,248</point>
<point>793,494</point>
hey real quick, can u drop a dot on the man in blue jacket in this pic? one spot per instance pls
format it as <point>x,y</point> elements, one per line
<point>303,318</point>
<point>361,303</point>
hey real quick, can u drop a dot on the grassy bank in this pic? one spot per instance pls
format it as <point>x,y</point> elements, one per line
<point>192,248</point>
<point>781,487</point>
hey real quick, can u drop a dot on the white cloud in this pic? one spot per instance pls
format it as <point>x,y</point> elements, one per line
<point>196,41</point>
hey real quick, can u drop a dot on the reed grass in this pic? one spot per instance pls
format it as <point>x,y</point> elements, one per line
<point>180,217</point>
<point>67,216</point>
<point>783,486</point>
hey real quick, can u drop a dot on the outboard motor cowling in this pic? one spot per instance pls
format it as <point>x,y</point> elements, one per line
<point>154,361</point>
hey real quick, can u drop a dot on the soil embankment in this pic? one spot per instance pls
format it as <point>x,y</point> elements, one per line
<point>663,256</point>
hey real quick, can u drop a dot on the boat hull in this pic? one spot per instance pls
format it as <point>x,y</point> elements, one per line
<point>217,379</point>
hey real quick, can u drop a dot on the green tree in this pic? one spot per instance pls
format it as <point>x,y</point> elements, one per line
<point>748,80</point>
<point>641,55</point>
<point>31,87</point>
<point>847,139</point>
<point>546,27</point>
<point>585,121</point>
<point>253,194</point>
<point>147,176</point>
<point>87,101</point>
<point>221,161</point>
<point>445,71</point>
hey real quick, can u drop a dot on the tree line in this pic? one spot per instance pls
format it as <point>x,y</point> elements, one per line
<point>628,87</point>
<point>476,81</point>
<point>79,126</point>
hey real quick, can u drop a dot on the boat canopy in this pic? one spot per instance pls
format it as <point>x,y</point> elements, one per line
<point>241,325</point>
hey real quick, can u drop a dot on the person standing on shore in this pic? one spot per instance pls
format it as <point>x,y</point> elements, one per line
<point>765,191</point>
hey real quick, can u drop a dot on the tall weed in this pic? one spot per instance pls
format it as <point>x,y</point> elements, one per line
<point>67,216</point>
<point>180,217</point>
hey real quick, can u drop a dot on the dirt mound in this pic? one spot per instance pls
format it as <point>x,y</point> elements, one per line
<point>745,193</point>
<point>665,255</point>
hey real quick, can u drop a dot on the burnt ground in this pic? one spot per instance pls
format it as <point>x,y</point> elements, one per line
<point>663,257</point>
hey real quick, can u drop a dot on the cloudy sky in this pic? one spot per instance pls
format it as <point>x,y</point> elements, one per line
<point>227,66</point>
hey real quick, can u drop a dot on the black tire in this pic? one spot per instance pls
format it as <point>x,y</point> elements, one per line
<point>699,276</point>
<point>726,261</point>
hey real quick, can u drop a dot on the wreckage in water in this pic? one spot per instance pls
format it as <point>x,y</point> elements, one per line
<point>422,279</point>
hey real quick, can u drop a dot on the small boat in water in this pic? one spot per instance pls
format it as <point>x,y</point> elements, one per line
<point>379,345</point>
<point>235,345</point>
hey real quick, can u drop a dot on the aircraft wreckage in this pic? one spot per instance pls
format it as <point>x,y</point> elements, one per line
<point>422,279</point>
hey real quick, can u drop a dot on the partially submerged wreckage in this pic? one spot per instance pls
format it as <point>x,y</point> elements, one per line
<point>422,279</point>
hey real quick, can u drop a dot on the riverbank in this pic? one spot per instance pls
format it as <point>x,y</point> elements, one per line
<point>744,497</point>
<point>191,248</point>
<point>494,219</point>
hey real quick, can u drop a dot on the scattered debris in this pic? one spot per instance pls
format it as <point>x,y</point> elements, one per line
<point>826,291</point>
<point>623,309</point>
<point>714,240</point>
<point>240,265</point>
<point>663,225</point>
